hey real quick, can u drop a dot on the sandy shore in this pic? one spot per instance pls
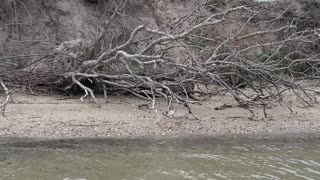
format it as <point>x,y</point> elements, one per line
<point>59,117</point>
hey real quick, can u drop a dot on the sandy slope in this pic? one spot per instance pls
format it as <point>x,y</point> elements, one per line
<point>58,117</point>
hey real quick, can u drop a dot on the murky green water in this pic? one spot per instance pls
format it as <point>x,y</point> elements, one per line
<point>188,158</point>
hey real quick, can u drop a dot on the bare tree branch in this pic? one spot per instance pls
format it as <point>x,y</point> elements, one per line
<point>8,98</point>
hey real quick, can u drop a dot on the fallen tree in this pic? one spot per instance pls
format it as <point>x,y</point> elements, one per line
<point>254,60</point>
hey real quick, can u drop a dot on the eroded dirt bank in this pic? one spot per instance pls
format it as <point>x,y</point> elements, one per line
<point>58,117</point>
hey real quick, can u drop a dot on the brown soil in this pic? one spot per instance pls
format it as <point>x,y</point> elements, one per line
<point>58,117</point>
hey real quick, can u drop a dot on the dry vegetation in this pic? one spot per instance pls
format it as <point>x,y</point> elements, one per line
<point>255,52</point>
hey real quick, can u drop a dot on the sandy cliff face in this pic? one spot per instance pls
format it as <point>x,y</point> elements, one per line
<point>82,19</point>
<point>167,12</point>
<point>37,26</point>
<point>72,19</point>
<point>77,19</point>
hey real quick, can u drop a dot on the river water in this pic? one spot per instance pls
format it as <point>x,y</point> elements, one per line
<point>290,157</point>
